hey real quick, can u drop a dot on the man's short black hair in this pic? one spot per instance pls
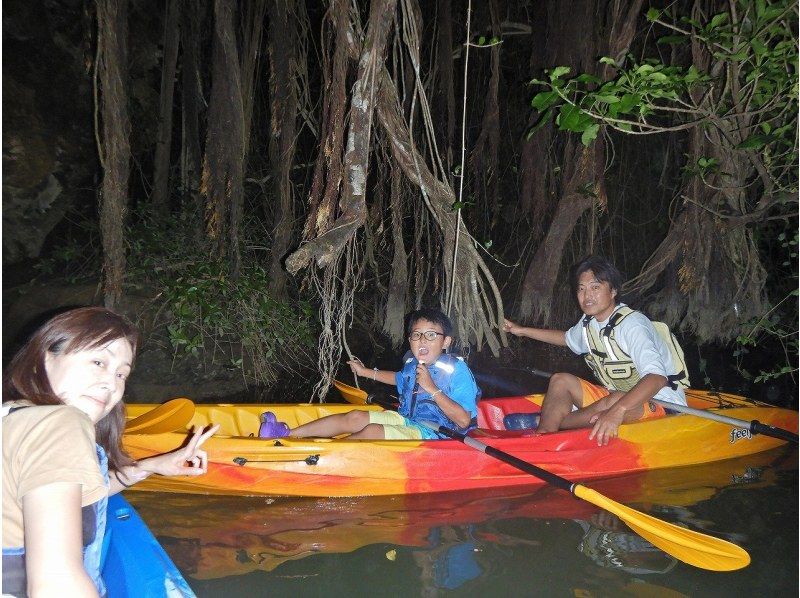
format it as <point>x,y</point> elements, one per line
<point>603,270</point>
<point>432,315</point>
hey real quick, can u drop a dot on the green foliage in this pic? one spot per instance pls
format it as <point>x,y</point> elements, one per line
<point>486,42</point>
<point>236,321</point>
<point>755,61</point>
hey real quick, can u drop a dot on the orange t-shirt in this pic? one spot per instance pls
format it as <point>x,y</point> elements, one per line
<point>43,445</point>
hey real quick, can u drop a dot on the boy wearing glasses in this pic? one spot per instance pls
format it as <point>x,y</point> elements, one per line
<point>433,386</point>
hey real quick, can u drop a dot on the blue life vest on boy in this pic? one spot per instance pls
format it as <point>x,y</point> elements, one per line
<point>93,521</point>
<point>416,404</point>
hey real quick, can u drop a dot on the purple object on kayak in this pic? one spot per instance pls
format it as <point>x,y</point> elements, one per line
<point>271,427</point>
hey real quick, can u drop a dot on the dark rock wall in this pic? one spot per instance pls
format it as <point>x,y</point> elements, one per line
<point>48,146</point>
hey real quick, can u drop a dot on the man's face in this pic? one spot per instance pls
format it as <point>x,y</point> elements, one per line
<point>596,298</point>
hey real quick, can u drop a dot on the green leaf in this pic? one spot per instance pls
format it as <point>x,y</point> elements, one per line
<point>481,40</point>
<point>717,20</point>
<point>755,142</point>
<point>672,39</point>
<point>772,12</point>
<point>606,99</point>
<point>558,71</point>
<point>628,102</point>
<point>540,123</point>
<point>653,14</point>
<point>758,47</point>
<point>590,134</point>
<point>607,60</point>
<point>544,100</point>
<point>692,75</point>
<point>587,78</point>
<point>569,118</point>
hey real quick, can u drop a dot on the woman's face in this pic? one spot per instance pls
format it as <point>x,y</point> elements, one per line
<point>92,380</point>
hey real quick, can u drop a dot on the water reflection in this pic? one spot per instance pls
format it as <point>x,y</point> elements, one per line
<point>538,540</point>
<point>608,542</point>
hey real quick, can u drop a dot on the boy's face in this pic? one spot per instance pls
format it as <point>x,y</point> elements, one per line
<point>595,298</point>
<point>424,349</point>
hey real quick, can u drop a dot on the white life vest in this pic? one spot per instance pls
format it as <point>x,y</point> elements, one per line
<point>615,368</point>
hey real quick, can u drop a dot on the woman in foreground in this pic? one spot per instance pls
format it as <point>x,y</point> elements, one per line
<point>63,420</point>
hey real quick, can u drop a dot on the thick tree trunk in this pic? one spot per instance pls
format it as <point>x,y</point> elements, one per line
<point>398,277</point>
<point>537,289</point>
<point>161,163</point>
<point>328,167</point>
<point>114,148</point>
<point>326,248</point>
<point>252,33</point>
<point>581,171</point>
<point>191,96</point>
<point>282,53</point>
<point>444,103</point>
<point>484,157</point>
<point>533,179</point>
<point>224,159</point>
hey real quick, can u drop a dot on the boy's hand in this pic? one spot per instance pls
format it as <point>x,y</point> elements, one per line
<point>358,367</point>
<point>424,378</point>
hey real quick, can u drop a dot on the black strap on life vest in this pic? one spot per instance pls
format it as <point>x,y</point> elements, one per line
<point>673,379</point>
<point>612,321</point>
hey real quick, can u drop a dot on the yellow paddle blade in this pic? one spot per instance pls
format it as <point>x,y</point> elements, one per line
<point>167,417</point>
<point>351,394</point>
<point>694,548</point>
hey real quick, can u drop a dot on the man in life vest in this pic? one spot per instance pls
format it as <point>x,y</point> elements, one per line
<point>631,359</point>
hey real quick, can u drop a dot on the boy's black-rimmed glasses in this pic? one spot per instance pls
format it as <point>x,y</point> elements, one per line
<point>430,335</point>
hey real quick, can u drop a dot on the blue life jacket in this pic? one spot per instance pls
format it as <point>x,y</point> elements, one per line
<point>93,520</point>
<point>417,405</point>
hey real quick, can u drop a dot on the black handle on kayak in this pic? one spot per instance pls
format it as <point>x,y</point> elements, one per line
<point>756,427</point>
<point>382,401</point>
<point>530,468</point>
<point>540,373</point>
<point>529,370</point>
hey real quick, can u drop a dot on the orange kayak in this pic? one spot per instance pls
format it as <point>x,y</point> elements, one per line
<point>221,536</point>
<point>240,463</point>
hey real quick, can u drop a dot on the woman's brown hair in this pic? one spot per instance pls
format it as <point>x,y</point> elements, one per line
<point>71,331</point>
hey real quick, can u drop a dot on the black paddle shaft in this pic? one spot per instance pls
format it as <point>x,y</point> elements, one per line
<point>530,468</point>
<point>756,427</point>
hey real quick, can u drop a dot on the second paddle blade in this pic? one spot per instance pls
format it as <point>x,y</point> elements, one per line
<point>351,394</point>
<point>168,417</point>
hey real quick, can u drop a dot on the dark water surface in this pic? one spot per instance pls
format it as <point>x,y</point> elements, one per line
<point>520,542</point>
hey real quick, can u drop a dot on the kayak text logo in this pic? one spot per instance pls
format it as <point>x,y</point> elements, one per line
<point>739,433</point>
